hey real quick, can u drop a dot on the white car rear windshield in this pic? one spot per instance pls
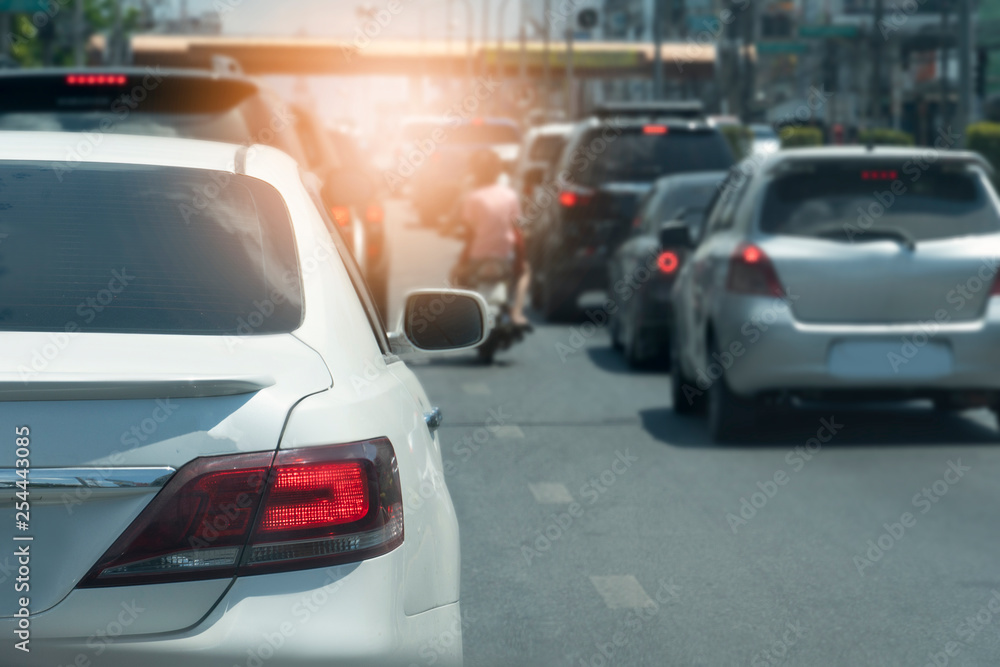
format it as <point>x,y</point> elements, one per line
<point>144,249</point>
<point>850,201</point>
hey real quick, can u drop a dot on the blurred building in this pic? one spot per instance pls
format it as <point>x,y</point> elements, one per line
<point>899,70</point>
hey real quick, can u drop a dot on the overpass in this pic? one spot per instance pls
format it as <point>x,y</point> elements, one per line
<point>375,56</point>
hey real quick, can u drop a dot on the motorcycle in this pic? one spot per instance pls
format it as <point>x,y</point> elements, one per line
<point>492,279</point>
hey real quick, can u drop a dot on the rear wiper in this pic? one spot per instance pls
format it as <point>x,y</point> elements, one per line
<point>875,234</point>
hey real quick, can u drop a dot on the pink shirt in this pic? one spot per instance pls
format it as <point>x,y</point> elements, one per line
<point>492,212</point>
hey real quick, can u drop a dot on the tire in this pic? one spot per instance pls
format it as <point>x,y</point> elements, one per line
<point>630,348</point>
<point>487,351</point>
<point>730,417</point>
<point>614,330</point>
<point>683,404</point>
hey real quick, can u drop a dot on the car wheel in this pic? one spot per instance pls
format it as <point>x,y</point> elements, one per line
<point>731,418</point>
<point>687,398</point>
<point>487,350</point>
<point>632,350</point>
<point>614,330</point>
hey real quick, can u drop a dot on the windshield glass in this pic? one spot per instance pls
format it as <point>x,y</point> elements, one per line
<point>849,200</point>
<point>131,248</point>
<point>638,157</point>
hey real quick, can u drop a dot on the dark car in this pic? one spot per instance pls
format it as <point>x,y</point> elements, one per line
<point>641,272</point>
<point>195,104</point>
<point>608,165</point>
<point>540,153</point>
<point>446,148</point>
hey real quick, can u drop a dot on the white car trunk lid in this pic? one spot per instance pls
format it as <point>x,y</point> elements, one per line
<point>110,415</point>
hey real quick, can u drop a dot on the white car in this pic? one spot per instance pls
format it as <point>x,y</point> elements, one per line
<point>210,453</point>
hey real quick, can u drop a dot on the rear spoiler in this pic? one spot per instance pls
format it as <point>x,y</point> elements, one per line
<point>118,91</point>
<point>74,387</point>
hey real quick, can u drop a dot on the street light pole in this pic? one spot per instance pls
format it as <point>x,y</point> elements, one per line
<point>570,80</point>
<point>500,21</point>
<point>468,40</point>
<point>523,37</point>
<point>964,63</point>
<point>657,49</point>
<point>945,6</point>
<point>546,67</point>
<point>875,94</point>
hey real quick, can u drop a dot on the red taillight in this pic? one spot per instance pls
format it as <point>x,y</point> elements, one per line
<point>317,496</point>
<point>654,129</point>
<point>571,198</point>
<point>668,262</point>
<point>96,79</point>
<point>751,272</point>
<point>244,514</point>
<point>341,215</point>
<point>374,214</point>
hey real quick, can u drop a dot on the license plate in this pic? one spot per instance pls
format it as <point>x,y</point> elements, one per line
<point>889,359</point>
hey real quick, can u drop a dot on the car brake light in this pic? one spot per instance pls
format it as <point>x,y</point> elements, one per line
<point>879,175</point>
<point>96,79</point>
<point>571,198</point>
<point>654,129</point>
<point>341,215</point>
<point>751,272</point>
<point>668,262</point>
<point>237,515</point>
<point>374,214</point>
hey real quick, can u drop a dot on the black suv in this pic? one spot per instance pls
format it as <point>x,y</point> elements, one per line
<point>609,163</point>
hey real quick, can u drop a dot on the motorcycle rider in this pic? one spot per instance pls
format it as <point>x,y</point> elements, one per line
<point>490,213</point>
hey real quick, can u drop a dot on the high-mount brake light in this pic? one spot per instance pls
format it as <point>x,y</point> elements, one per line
<point>654,129</point>
<point>879,175</point>
<point>243,514</point>
<point>96,79</point>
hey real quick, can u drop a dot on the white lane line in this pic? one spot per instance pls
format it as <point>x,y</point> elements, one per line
<point>621,592</point>
<point>476,389</point>
<point>550,492</point>
<point>509,431</point>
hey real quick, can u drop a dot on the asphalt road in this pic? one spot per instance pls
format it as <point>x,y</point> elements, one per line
<point>600,529</point>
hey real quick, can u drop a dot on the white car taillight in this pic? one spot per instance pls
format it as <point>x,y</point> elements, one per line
<point>247,514</point>
<point>751,272</point>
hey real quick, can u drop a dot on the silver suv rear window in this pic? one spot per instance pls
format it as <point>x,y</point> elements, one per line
<point>855,201</point>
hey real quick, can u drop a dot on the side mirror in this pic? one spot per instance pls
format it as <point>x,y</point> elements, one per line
<point>675,234</point>
<point>442,320</point>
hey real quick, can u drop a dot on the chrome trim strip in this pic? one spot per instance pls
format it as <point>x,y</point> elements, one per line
<point>105,479</point>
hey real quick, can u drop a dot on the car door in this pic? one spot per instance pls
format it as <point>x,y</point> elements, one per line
<point>696,284</point>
